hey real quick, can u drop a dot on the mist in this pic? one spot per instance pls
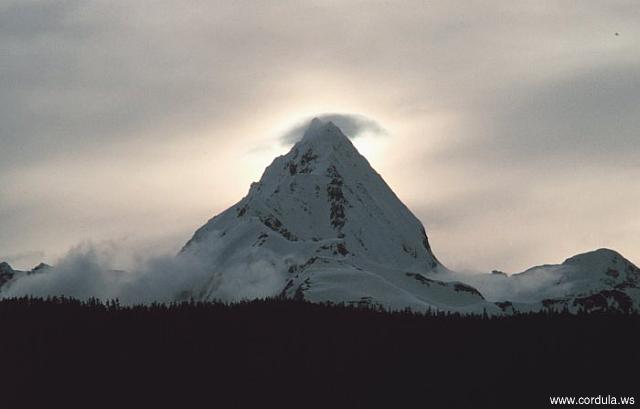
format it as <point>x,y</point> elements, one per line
<point>97,270</point>
<point>520,288</point>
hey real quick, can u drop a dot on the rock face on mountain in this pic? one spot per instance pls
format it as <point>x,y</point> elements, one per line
<point>330,229</point>
<point>6,273</point>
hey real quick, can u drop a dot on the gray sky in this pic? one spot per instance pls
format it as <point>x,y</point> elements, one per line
<point>510,128</point>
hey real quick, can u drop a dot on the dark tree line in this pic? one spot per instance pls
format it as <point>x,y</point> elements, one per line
<point>61,352</point>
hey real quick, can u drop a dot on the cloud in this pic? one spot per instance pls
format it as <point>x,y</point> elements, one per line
<point>590,118</point>
<point>531,286</point>
<point>120,119</point>
<point>525,288</point>
<point>92,270</point>
<point>352,125</point>
<point>29,258</point>
<point>30,19</point>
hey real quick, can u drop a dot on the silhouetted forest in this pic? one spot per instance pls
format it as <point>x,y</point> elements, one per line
<point>278,353</point>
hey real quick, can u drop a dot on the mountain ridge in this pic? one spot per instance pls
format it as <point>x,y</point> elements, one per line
<point>341,231</point>
<point>322,225</point>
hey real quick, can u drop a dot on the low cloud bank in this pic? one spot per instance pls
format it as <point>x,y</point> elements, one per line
<point>206,271</point>
<point>91,270</point>
<point>536,284</point>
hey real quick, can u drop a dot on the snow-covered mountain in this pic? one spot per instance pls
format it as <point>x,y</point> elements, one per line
<point>9,275</point>
<point>590,281</point>
<point>329,228</point>
<point>323,226</point>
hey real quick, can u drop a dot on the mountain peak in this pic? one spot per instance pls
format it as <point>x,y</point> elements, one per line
<point>315,123</point>
<point>6,273</point>
<point>5,267</point>
<point>331,228</point>
<point>40,268</point>
<point>602,255</point>
<point>325,132</point>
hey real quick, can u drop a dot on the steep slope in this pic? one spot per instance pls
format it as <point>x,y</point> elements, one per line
<point>328,228</point>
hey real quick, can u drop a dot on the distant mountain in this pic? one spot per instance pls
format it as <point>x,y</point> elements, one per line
<point>591,281</point>
<point>9,275</point>
<point>6,273</point>
<point>332,230</point>
<point>597,280</point>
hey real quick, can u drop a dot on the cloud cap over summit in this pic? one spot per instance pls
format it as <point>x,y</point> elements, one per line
<point>512,122</point>
<point>352,125</point>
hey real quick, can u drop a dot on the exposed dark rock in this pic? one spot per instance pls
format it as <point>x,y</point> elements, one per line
<point>427,246</point>
<point>40,268</point>
<point>262,238</point>
<point>409,250</point>
<point>467,288</point>
<point>613,273</point>
<point>306,160</point>
<point>299,294</point>
<point>304,165</point>
<point>337,200</point>
<point>425,240</point>
<point>296,268</point>
<point>424,280</point>
<point>605,300</point>
<point>275,224</point>
<point>342,249</point>
<point>335,248</point>
<point>504,305</point>
<point>6,273</point>
<point>286,288</point>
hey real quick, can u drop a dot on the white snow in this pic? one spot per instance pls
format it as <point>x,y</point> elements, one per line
<point>602,271</point>
<point>322,224</point>
<point>334,231</point>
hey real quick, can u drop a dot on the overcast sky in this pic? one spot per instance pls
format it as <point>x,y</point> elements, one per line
<point>510,128</point>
